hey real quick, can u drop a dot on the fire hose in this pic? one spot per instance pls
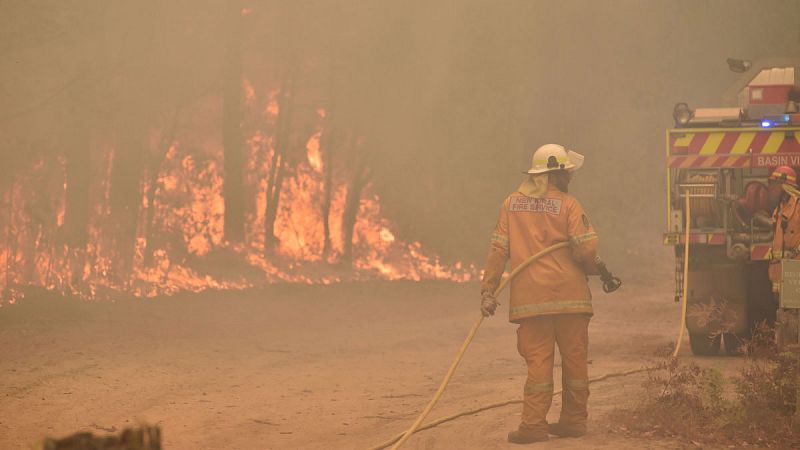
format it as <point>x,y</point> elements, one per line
<point>610,284</point>
<point>685,277</point>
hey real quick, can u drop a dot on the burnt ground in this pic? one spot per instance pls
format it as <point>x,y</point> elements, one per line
<point>320,367</point>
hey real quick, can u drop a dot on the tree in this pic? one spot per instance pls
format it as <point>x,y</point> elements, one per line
<point>137,104</point>
<point>279,161</point>
<point>153,166</point>
<point>327,150</point>
<point>126,194</point>
<point>76,209</point>
<point>351,207</point>
<point>326,147</point>
<point>231,125</point>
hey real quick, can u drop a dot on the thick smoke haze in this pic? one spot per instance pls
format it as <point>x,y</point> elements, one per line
<point>241,224</point>
<point>449,97</point>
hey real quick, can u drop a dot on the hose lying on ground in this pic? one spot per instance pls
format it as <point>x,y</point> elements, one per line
<point>470,412</point>
<point>467,341</point>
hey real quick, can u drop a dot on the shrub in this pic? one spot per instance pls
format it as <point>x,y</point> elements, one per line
<point>755,406</point>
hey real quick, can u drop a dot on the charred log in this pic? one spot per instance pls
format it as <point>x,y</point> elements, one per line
<point>142,438</point>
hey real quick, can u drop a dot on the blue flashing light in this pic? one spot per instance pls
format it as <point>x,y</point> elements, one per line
<point>766,124</point>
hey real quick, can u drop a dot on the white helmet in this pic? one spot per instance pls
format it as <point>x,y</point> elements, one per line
<point>555,157</point>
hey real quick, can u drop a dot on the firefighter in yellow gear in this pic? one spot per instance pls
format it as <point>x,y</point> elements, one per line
<point>785,243</point>
<point>550,301</point>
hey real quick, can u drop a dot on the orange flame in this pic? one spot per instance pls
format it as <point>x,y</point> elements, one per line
<point>312,151</point>
<point>272,107</point>
<point>249,92</point>
<point>187,251</point>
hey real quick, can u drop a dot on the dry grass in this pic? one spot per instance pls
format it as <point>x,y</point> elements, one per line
<point>703,407</point>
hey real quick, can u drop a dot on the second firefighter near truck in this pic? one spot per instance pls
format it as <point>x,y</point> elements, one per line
<point>550,301</point>
<point>785,247</point>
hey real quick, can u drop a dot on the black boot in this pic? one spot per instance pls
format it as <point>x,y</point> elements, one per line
<point>566,430</point>
<point>526,437</point>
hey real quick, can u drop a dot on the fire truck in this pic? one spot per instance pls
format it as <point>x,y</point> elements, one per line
<point>721,158</point>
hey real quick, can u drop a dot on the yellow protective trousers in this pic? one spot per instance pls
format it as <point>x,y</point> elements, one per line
<point>536,339</point>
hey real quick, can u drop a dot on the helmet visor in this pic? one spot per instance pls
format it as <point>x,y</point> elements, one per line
<point>575,160</point>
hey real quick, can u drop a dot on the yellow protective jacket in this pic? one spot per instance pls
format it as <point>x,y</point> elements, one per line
<point>556,283</point>
<point>785,245</point>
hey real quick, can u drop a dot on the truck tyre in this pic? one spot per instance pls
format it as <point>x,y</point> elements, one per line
<point>733,343</point>
<point>704,344</point>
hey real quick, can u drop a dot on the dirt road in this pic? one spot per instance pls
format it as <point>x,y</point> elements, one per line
<point>318,367</point>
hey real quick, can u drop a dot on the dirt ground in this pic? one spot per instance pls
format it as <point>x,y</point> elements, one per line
<point>314,367</point>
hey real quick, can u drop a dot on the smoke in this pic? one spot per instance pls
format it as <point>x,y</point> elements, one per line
<point>450,98</point>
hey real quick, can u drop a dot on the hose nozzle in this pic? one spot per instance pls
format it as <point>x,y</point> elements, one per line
<point>610,282</point>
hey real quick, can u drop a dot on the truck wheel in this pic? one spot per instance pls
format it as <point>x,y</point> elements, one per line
<point>733,343</point>
<point>704,344</point>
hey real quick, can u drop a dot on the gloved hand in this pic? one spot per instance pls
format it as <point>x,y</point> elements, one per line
<point>488,304</point>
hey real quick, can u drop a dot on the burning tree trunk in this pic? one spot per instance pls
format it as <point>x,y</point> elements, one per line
<point>76,211</point>
<point>351,206</point>
<point>231,126</point>
<point>76,206</point>
<point>126,195</point>
<point>153,168</point>
<point>8,203</point>
<point>278,166</point>
<point>326,144</point>
<point>41,210</point>
<point>326,151</point>
<point>129,156</point>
